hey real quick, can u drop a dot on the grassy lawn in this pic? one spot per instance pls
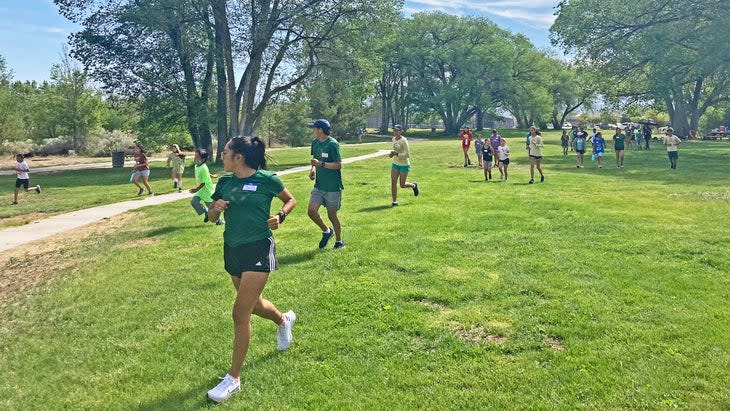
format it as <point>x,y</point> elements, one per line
<point>599,289</point>
<point>74,190</point>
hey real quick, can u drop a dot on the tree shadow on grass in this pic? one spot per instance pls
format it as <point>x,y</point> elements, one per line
<point>374,208</point>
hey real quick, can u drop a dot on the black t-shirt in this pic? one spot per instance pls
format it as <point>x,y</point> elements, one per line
<point>487,151</point>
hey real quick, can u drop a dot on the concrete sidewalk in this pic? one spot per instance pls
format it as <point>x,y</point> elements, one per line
<point>16,236</point>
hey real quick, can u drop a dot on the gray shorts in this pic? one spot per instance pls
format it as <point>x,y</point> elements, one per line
<point>332,200</point>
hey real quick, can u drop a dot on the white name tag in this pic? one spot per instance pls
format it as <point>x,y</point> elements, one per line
<point>250,187</point>
<point>325,155</point>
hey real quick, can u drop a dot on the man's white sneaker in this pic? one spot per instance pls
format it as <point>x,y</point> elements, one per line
<point>227,387</point>
<point>284,336</point>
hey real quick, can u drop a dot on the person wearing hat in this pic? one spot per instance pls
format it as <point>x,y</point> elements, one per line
<point>401,155</point>
<point>176,162</point>
<point>326,172</point>
<point>671,142</point>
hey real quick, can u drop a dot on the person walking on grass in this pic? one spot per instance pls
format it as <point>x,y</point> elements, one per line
<point>176,162</point>
<point>619,144</point>
<point>478,145</point>
<point>202,193</point>
<point>565,142</point>
<point>495,140</point>
<point>488,155</point>
<point>141,169</point>
<point>671,142</point>
<point>580,147</point>
<point>22,176</point>
<point>249,250</point>
<point>599,148</point>
<point>401,155</point>
<point>326,171</point>
<point>503,155</point>
<point>535,153</point>
<point>466,138</point>
<point>647,136</point>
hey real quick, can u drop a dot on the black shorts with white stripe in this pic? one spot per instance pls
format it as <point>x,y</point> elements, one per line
<point>259,256</point>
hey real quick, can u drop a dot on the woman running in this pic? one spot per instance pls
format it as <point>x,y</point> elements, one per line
<point>249,251</point>
<point>176,162</point>
<point>535,152</point>
<point>401,155</point>
<point>619,144</point>
<point>503,154</point>
<point>465,137</point>
<point>141,169</point>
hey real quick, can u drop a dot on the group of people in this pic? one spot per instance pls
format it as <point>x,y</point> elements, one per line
<point>491,152</point>
<point>244,197</point>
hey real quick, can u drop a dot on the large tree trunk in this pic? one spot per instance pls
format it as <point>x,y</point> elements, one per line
<point>480,119</point>
<point>223,36</point>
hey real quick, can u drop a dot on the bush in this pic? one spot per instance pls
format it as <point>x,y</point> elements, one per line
<point>101,143</point>
<point>54,146</point>
<point>17,146</point>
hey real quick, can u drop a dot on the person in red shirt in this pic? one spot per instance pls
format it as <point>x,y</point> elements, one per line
<point>466,138</point>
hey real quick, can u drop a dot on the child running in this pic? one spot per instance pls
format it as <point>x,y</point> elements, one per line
<point>565,142</point>
<point>478,145</point>
<point>671,142</point>
<point>401,155</point>
<point>176,162</point>
<point>535,153</point>
<point>488,155</point>
<point>249,250</point>
<point>580,147</point>
<point>203,192</point>
<point>22,176</point>
<point>503,154</point>
<point>599,147</point>
<point>141,169</point>
<point>619,141</point>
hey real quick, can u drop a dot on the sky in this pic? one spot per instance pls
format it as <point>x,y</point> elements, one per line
<point>33,34</point>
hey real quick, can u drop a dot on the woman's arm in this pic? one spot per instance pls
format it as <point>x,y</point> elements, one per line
<point>289,203</point>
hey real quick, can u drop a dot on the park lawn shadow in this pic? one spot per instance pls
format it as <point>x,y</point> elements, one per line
<point>297,257</point>
<point>374,208</point>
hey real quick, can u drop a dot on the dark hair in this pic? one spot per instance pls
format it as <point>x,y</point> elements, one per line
<point>252,149</point>
<point>24,156</point>
<point>203,153</point>
<point>140,147</point>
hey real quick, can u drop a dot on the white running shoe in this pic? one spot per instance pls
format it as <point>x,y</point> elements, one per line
<point>227,387</point>
<point>284,336</point>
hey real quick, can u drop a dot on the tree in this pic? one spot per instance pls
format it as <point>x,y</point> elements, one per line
<point>653,50</point>
<point>11,119</point>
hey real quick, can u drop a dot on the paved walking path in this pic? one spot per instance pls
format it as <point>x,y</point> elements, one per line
<point>71,167</point>
<point>16,236</point>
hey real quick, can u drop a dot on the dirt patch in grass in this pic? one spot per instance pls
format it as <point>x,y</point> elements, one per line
<point>477,334</point>
<point>19,220</point>
<point>25,268</point>
<point>8,162</point>
<point>555,343</point>
<point>433,305</point>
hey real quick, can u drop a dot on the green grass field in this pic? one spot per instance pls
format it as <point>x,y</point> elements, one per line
<point>599,289</point>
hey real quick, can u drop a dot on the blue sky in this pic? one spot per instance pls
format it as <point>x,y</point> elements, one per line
<point>32,33</point>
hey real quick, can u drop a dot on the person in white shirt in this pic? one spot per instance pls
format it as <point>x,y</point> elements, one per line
<point>23,178</point>
<point>671,142</point>
<point>401,155</point>
<point>503,155</point>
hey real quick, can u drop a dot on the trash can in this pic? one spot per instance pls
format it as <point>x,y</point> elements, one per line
<point>117,159</point>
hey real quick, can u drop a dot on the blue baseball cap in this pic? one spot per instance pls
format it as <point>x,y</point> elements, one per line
<point>398,127</point>
<point>321,123</point>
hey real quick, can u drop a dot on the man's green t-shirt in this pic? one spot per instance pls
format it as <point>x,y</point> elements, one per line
<point>327,151</point>
<point>202,176</point>
<point>618,141</point>
<point>249,207</point>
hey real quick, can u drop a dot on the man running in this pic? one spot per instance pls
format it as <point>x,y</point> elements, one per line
<point>326,172</point>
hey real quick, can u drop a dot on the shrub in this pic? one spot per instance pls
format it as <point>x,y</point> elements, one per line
<point>101,142</point>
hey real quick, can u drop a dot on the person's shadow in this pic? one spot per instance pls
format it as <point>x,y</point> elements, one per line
<point>375,208</point>
<point>297,258</point>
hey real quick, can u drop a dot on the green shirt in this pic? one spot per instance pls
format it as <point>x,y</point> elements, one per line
<point>202,176</point>
<point>249,207</point>
<point>618,141</point>
<point>327,151</point>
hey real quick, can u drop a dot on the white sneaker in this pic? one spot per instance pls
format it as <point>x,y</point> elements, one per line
<point>284,336</point>
<point>227,387</point>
